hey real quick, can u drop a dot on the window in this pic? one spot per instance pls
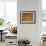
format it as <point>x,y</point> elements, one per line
<point>1,9</point>
<point>11,11</point>
<point>44,16</point>
<point>8,11</point>
<point>44,10</point>
<point>43,4</point>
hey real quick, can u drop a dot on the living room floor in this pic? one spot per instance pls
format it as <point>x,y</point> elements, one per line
<point>2,43</point>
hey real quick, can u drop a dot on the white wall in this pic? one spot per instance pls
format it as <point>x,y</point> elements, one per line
<point>29,31</point>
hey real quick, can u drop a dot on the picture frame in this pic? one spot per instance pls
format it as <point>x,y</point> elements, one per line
<point>27,17</point>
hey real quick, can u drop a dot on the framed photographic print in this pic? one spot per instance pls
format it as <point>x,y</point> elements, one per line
<point>27,17</point>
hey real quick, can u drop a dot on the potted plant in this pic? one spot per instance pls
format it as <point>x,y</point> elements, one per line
<point>1,22</point>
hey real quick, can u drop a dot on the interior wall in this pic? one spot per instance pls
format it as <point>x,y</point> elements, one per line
<point>29,31</point>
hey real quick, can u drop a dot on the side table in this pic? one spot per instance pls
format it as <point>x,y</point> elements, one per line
<point>1,34</point>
